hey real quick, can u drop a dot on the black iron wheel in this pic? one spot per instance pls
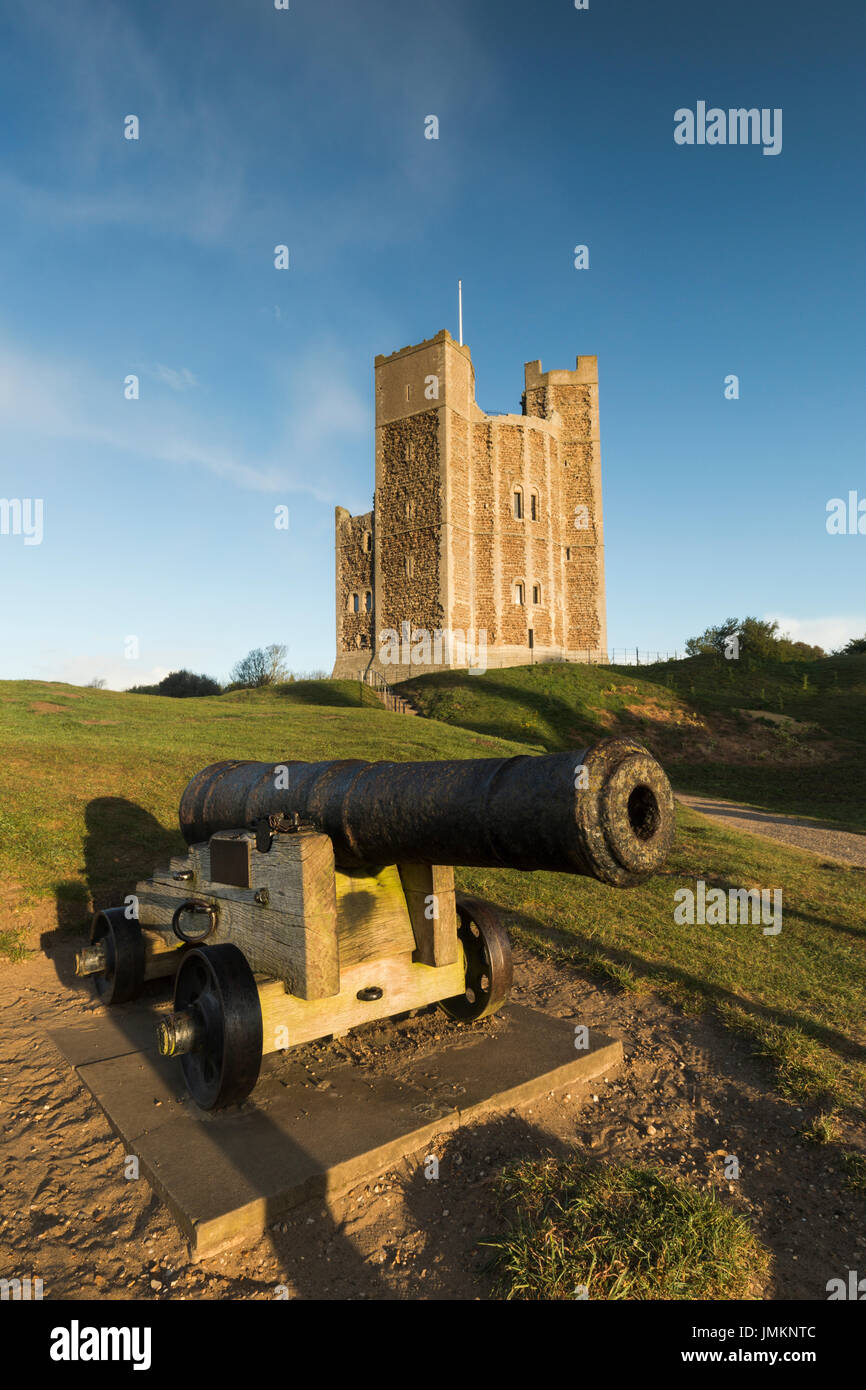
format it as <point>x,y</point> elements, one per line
<point>487,953</point>
<point>217,987</point>
<point>122,976</point>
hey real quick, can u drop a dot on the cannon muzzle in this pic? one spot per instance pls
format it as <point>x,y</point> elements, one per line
<point>606,812</point>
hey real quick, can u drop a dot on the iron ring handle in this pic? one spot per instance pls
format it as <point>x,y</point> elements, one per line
<point>194,905</point>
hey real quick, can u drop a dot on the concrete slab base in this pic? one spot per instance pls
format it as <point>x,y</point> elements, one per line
<point>227,1176</point>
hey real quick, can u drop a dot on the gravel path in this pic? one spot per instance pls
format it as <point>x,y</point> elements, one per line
<point>812,835</point>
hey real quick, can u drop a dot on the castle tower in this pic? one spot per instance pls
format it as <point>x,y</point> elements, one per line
<point>485,544</point>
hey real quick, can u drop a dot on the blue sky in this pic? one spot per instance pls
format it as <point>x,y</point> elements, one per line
<point>306,127</point>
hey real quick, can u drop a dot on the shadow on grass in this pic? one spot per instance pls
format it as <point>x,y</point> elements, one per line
<point>348,694</point>
<point>122,845</point>
<point>668,973</point>
<point>571,725</point>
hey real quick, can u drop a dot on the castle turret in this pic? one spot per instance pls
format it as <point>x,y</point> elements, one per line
<point>486,533</point>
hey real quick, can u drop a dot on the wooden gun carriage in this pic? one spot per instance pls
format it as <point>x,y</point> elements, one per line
<point>319,896</point>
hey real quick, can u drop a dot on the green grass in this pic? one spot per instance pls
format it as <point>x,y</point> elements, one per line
<point>821,1129</point>
<point>13,944</point>
<point>88,806</point>
<point>855,1170</point>
<point>578,1230</point>
<point>89,790</point>
<point>799,997</point>
<point>690,713</point>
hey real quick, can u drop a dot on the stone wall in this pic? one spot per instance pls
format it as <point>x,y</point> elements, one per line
<point>409,515</point>
<point>573,397</point>
<point>448,548</point>
<point>354,545</point>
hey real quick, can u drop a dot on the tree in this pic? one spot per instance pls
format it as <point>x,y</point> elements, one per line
<point>277,671</point>
<point>261,667</point>
<point>181,685</point>
<point>96,684</point>
<point>856,646</point>
<point>251,669</point>
<point>713,639</point>
<point>756,637</point>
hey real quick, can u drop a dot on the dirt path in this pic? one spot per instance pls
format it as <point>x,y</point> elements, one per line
<point>689,1094</point>
<point>813,835</point>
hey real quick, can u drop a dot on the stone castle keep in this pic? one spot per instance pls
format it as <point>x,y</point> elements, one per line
<point>485,543</point>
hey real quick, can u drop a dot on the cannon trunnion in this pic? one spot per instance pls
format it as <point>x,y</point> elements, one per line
<point>318,897</point>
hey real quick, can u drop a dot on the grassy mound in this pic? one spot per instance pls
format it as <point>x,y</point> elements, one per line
<point>780,736</point>
<point>89,787</point>
<point>579,1231</point>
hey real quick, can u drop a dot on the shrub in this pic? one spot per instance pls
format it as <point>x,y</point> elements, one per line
<point>181,685</point>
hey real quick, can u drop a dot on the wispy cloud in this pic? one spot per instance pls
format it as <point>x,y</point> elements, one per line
<point>196,174</point>
<point>44,398</point>
<point>829,633</point>
<point>180,379</point>
<point>81,669</point>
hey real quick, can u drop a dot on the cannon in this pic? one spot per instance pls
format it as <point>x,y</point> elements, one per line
<point>316,897</point>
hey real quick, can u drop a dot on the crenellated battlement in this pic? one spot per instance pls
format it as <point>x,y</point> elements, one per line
<point>483,524</point>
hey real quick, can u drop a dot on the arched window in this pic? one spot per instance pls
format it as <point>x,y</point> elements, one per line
<point>354,604</point>
<point>518,504</point>
<point>533,505</point>
<point>368,541</point>
<point>368,601</point>
<point>518,592</point>
<point>536,593</point>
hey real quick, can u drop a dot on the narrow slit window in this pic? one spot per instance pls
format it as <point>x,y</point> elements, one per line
<point>518,505</point>
<point>518,593</point>
<point>536,593</point>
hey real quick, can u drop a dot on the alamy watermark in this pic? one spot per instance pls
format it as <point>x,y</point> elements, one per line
<point>846,518</point>
<point>444,646</point>
<point>736,126</point>
<point>714,907</point>
<point>77,1343</point>
<point>853,1288</point>
<point>22,516</point>
<point>21,1290</point>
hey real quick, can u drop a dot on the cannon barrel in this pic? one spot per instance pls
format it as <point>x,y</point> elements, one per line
<point>606,812</point>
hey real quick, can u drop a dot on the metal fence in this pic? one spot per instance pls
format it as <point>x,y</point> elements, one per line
<point>614,656</point>
<point>634,656</point>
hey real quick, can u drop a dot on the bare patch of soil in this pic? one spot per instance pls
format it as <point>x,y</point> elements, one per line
<point>688,1096</point>
<point>676,731</point>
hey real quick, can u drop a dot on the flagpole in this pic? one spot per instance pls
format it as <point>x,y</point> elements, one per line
<point>460,310</point>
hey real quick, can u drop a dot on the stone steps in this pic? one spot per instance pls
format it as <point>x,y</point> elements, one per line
<point>397,704</point>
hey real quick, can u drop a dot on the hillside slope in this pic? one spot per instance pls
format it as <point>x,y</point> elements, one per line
<point>99,774</point>
<point>90,783</point>
<point>787,737</point>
